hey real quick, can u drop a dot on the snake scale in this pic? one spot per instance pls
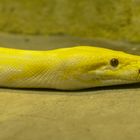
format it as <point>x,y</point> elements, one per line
<point>71,68</point>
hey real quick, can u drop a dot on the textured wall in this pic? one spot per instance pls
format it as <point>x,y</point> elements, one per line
<point>91,18</point>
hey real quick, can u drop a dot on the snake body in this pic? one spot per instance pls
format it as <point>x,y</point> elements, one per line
<point>67,68</point>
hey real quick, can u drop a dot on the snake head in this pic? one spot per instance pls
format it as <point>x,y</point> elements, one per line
<point>104,67</point>
<point>88,67</point>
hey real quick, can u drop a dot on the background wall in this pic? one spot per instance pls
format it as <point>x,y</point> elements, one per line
<point>117,20</point>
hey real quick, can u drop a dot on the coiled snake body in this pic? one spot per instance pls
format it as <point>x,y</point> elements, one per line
<point>67,68</point>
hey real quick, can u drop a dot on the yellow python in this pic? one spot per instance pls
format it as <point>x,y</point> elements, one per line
<point>67,68</point>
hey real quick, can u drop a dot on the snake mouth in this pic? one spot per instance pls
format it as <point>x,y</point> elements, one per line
<point>132,77</point>
<point>109,82</point>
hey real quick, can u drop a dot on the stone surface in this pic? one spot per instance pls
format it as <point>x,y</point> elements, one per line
<point>101,114</point>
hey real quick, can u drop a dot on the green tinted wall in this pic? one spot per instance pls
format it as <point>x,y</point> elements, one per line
<point>86,18</point>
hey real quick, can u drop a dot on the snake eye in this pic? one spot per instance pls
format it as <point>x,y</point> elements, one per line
<point>114,62</point>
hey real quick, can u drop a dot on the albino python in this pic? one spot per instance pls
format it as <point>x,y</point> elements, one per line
<point>67,68</point>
